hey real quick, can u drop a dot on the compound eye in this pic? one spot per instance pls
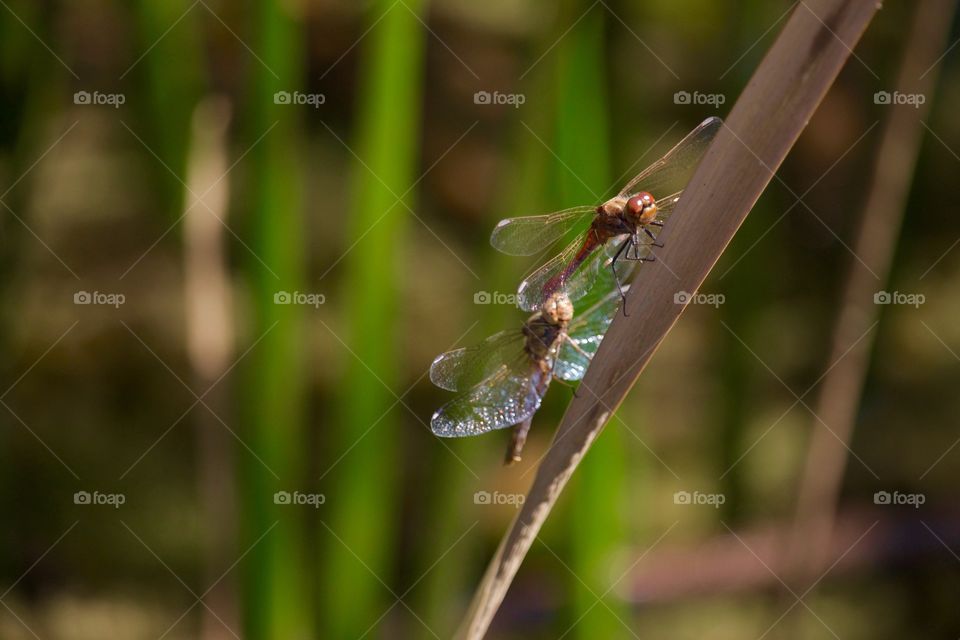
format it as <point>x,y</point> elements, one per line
<point>635,205</point>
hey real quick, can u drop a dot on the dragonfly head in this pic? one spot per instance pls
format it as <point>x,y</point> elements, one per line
<point>557,309</point>
<point>642,208</point>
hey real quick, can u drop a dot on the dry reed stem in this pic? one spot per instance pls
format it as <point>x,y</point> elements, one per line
<point>763,125</point>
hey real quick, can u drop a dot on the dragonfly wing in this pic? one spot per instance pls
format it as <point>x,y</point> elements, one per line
<point>503,400</point>
<point>583,282</point>
<point>533,291</point>
<point>665,207</point>
<point>584,335</point>
<point>672,172</point>
<point>571,364</point>
<point>463,368</point>
<point>527,235</point>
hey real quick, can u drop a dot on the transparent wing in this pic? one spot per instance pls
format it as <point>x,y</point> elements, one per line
<point>503,400</point>
<point>527,235</point>
<point>672,172</point>
<point>665,207</point>
<point>586,331</point>
<point>463,368</point>
<point>536,287</point>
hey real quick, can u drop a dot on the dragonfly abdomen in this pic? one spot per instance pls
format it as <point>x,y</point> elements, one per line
<point>590,244</point>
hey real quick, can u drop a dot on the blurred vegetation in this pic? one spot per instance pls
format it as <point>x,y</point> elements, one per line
<point>383,174</point>
<point>276,601</point>
<point>381,197</point>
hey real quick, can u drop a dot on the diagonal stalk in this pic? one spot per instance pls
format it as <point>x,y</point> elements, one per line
<point>763,125</point>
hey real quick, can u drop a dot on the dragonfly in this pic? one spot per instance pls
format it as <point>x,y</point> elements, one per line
<point>619,229</point>
<point>504,378</point>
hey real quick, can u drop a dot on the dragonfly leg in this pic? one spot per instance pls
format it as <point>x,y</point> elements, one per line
<point>616,277</point>
<point>635,244</point>
<point>653,237</point>
<point>656,223</point>
<point>647,258</point>
<point>572,386</point>
<point>579,350</point>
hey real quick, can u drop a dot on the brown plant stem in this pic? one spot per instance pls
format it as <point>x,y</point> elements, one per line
<point>763,125</point>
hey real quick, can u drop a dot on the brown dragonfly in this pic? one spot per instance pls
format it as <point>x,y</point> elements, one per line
<point>504,378</point>
<point>620,228</point>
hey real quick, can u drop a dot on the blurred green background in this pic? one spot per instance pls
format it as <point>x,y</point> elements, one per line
<point>235,234</point>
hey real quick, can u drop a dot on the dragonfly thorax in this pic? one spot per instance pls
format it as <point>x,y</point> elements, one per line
<point>612,208</point>
<point>557,309</point>
<point>541,335</point>
<point>544,328</point>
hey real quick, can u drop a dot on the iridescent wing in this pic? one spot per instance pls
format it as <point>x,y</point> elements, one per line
<point>528,235</point>
<point>503,400</point>
<point>586,330</point>
<point>540,284</point>
<point>463,368</point>
<point>672,172</point>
